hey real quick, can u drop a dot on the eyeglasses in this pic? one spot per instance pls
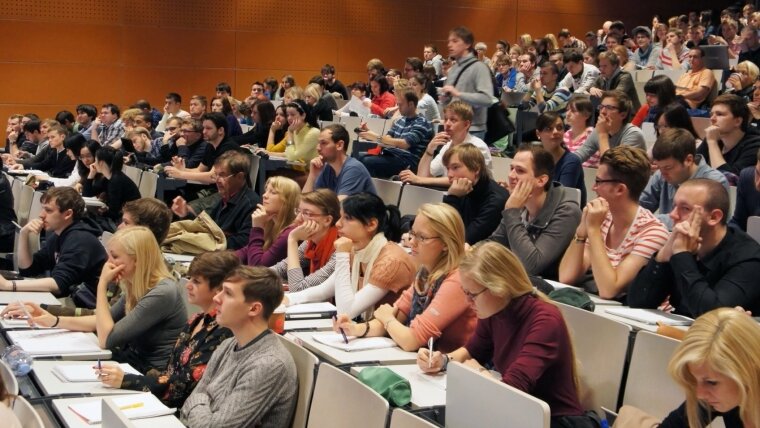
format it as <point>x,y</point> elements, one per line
<point>473,296</point>
<point>599,181</point>
<point>221,177</point>
<point>189,131</point>
<point>421,239</point>
<point>608,107</point>
<point>307,214</point>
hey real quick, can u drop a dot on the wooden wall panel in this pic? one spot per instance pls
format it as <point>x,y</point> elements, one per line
<point>57,53</point>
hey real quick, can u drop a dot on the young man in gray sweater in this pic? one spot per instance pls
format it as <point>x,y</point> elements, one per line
<point>251,378</point>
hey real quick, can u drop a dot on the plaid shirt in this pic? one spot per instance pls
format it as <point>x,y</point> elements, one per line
<point>108,134</point>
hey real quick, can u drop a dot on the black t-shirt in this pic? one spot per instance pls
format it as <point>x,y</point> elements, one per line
<point>212,154</point>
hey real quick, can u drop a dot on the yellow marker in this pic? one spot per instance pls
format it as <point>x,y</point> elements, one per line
<point>131,406</point>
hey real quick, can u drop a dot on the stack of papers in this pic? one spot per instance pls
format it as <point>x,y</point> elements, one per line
<point>138,406</point>
<point>311,310</point>
<point>650,316</point>
<point>335,340</point>
<point>54,341</point>
<point>85,372</point>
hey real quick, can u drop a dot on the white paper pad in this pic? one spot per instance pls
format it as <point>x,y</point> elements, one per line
<point>650,316</point>
<point>335,340</point>
<point>91,411</point>
<point>54,341</point>
<point>85,372</point>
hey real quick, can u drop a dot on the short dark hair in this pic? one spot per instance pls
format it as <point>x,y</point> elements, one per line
<point>177,98</point>
<point>383,82</point>
<point>676,116</point>
<point>217,119</point>
<point>146,117</point>
<point>736,105</point>
<point>328,69</point>
<point>88,109</point>
<point>151,213</point>
<point>64,116</point>
<point>432,47</point>
<point>223,87</point>
<point>113,108</point>
<point>543,162</point>
<point>551,66</point>
<point>416,63</point>
<point>260,284</point>
<point>623,102</point>
<point>410,97</point>
<point>573,56</point>
<point>618,25</point>
<point>630,166</point>
<point>142,105</point>
<point>66,198</point>
<point>201,99</point>
<point>674,143</point>
<point>32,126</point>
<point>717,195</point>
<point>213,266</point>
<point>465,34</point>
<point>338,133</point>
<point>663,88</point>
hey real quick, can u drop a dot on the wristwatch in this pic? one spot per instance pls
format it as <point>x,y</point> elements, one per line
<point>445,362</point>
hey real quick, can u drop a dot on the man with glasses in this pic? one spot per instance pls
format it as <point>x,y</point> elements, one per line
<point>612,127</point>
<point>705,264</point>
<point>108,129</point>
<point>676,158</point>
<point>190,144</point>
<point>616,237</point>
<point>540,215</point>
<point>232,213</point>
<point>646,55</point>
<point>333,169</point>
<point>747,195</point>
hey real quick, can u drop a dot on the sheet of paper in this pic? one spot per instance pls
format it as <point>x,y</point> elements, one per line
<point>355,105</point>
<point>335,340</point>
<point>311,308</point>
<point>54,341</point>
<point>85,372</point>
<point>136,406</point>
<point>650,316</point>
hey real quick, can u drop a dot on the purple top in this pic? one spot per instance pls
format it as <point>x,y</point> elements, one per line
<point>529,345</point>
<point>254,253</point>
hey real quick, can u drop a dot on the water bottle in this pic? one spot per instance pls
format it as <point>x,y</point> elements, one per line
<point>18,360</point>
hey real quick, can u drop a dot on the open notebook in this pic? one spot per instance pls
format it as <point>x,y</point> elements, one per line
<point>335,340</point>
<point>138,406</point>
<point>650,316</point>
<point>85,372</point>
<point>54,341</point>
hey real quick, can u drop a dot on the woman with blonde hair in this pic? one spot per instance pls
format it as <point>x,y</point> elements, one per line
<point>292,94</point>
<point>370,268</point>
<point>313,261</point>
<point>434,306</point>
<point>143,325</point>
<point>519,330</point>
<point>622,54</point>
<point>742,81</point>
<point>312,94</point>
<point>272,222</point>
<point>716,365</point>
<point>525,41</point>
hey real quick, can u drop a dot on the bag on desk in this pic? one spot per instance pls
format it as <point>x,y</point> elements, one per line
<point>573,297</point>
<point>387,383</point>
<point>195,236</point>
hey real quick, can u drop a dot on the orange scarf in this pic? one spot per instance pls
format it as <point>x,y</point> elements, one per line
<point>319,253</point>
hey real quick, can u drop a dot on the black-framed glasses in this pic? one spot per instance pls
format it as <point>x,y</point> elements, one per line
<point>421,239</point>
<point>608,107</point>
<point>599,181</point>
<point>473,296</point>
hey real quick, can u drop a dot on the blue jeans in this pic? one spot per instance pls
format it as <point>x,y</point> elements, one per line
<point>384,165</point>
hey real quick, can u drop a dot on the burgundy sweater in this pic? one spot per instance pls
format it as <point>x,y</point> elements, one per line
<point>254,254</point>
<point>529,345</point>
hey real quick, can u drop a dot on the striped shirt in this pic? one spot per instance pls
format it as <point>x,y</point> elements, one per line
<point>295,277</point>
<point>573,145</point>
<point>644,238</point>
<point>665,62</point>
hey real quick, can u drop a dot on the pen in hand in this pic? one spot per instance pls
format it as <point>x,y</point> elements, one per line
<point>27,315</point>
<point>343,333</point>
<point>430,352</point>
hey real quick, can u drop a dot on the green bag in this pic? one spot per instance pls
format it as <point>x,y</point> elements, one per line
<point>573,297</point>
<point>387,383</point>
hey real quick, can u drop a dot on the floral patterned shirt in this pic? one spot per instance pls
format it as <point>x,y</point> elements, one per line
<point>186,364</point>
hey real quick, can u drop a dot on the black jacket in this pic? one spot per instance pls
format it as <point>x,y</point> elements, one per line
<point>55,164</point>
<point>480,209</point>
<point>75,256</point>
<point>119,190</point>
<point>741,156</point>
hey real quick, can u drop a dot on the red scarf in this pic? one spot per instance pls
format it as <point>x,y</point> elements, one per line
<point>319,253</point>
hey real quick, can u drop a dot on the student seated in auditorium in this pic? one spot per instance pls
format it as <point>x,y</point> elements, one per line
<point>477,198</point>
<point>659,92</point>
<point>513,319</point>
<point>196,343</point>
<point>747,196</point>
<point>56,162</point>
<point>579,118</point>
<point>272,222</point>
<point>108,128</point>
<point>674,54</point>
<point>696,85</point>
<point>613,78</point>
<point>114,190</point>
<point>704,264</point>
<point>616,237</point>
<point>612,127</point>
<point>730,143</point>
<point>568,170</point>
<point>7,218</point>
<point>540,216</point>
<point>580,76</point>
<point>262,116</point>
<point>333,169</point>
<point>544,93</point>
<point>434,306</point>
<point>371,269</point>
<point>403,145</point>
<point>232,213</point>
<point>457,118</point>
<point>251,379</point>
<point>215,134</point>
<point>72,253</point>
<point>301,140</point>
<point>33,144</point>
<point>675,155</point>
<point>190,144</point>
<point>313,261</point>
<point>142,327</point>
<point>148,212</point>
<point>222,105</point>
